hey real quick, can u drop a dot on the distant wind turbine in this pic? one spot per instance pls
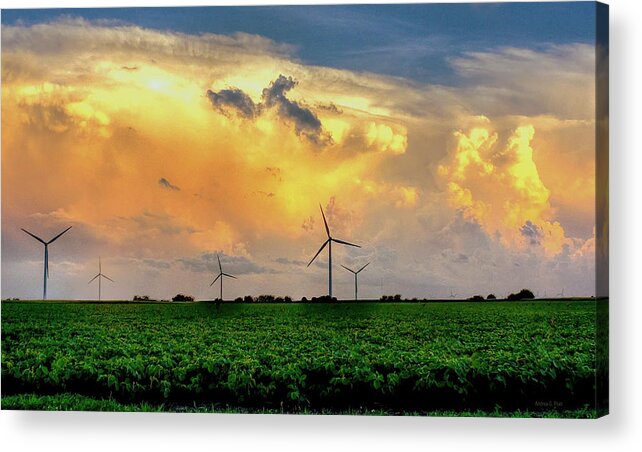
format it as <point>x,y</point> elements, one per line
<point>452,295</point>
<point>561,294</point>
<point>221,275</point>
<point>99,276</point>
<point>355,278</point>
<point>329,243</point>
<point>46,244</point>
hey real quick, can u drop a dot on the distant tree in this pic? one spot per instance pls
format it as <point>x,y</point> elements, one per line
<point>323,299</point>
<point>523,294</point>
<point>491,297</point>
<point>397,297</point>
<point>248,299</point>
<point>238,300</point>
<point>287,299</point>
<point>265,298</point>
<point>476,298</point>
<point>181,297</point>
<point>304,299</point>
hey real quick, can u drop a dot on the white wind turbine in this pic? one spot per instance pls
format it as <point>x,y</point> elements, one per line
<point>329,243</point>
<point>221,275</point>
<point>99,276</point>
<point>355,278</point>
<point>46,244</point>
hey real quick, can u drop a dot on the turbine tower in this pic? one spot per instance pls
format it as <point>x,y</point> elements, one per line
<point>221,275</point>
<point>46,266</point>
<point>329,243</point>
<point>355,278</point>
<point>99,276</point>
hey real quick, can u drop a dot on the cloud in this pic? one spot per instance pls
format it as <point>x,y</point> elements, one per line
<point>286,261</point>
<point>305,121</point>
<point>500,187</point>
<point>532,232</point>
<point>167,184</point>
<point>158,222</point>
<point>554,80</point>
<point>308,224</point>
<point>513,135</point>
<point>233,98</point>
<point>234,265</point>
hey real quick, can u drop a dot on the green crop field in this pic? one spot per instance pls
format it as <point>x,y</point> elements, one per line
<point>489,358</point>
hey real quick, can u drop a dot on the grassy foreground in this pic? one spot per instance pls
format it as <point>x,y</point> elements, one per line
<point>75,402</point>
<point>526,359</point>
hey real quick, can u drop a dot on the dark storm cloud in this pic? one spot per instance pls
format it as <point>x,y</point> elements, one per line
<point>234,98</point>
<point>167,184</point>
<point>532,232</point>
<point>306,123</point>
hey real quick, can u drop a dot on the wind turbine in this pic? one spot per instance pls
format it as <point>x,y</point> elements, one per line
<point>99,276</point>
<point>355,277</point>
<point>452,295</point>
<point>46,244</point>
<point>329,243</point>
<point>221,275</point>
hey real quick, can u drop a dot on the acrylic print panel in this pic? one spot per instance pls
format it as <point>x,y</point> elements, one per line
<point>354,209</point>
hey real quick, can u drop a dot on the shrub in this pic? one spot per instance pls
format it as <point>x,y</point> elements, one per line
<point>323,299</point>
<point>523,294</point>
<point>181,297</point>
<point>476,298</point>
<point>248,299</point>
<point>491,297</point>
<point>141,298</point>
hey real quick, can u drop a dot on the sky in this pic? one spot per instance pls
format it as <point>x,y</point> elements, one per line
<point>455,143</point>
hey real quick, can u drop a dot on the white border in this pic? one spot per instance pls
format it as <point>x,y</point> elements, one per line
<point>619,431</point>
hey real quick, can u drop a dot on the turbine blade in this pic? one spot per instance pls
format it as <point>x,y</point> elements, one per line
<point>100,268</point>
<point>93,278</point>
<point>229,276</point>
<point>56,237</point>
<point>318,252</point>
<point>219,275</point>
<point>219,263</point>
<point>104,276</point>
<point>363,267</point>
<point>34,236</point>
<point>345,243</point>
<point>327,229</point>
<point>351,271</point>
